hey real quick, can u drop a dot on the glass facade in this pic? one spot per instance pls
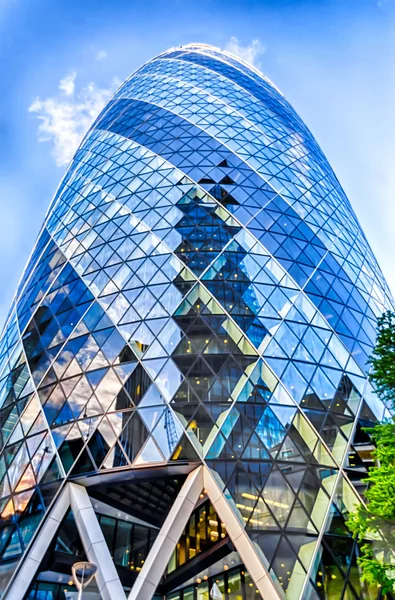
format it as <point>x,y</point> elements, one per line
<point>203,530</point>
<point>235,584</point>
<point>200,292</point>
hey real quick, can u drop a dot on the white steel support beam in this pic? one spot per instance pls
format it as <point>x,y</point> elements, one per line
<point>250,554</point>
<point>150,575</point>
<point>95,545</point>
<point>201,478</point>
<point>31,562</point>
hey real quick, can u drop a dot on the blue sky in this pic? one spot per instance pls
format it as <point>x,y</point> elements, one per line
<point>334,60</point>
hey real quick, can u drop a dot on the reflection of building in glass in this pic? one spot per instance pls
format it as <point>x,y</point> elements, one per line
<point>183,370</point>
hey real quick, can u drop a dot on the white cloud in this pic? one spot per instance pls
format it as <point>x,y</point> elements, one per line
<point>249,53</point>
<point>65,118</point>
<point>101,55</point>
<point>67,85</point>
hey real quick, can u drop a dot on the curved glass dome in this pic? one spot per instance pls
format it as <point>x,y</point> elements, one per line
<point>201,292</point>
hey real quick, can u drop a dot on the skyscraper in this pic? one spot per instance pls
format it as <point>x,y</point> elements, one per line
<point>183,369</point>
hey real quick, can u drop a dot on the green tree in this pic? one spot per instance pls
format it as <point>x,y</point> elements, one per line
<point>374,524</point>
<point>383,358</point>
